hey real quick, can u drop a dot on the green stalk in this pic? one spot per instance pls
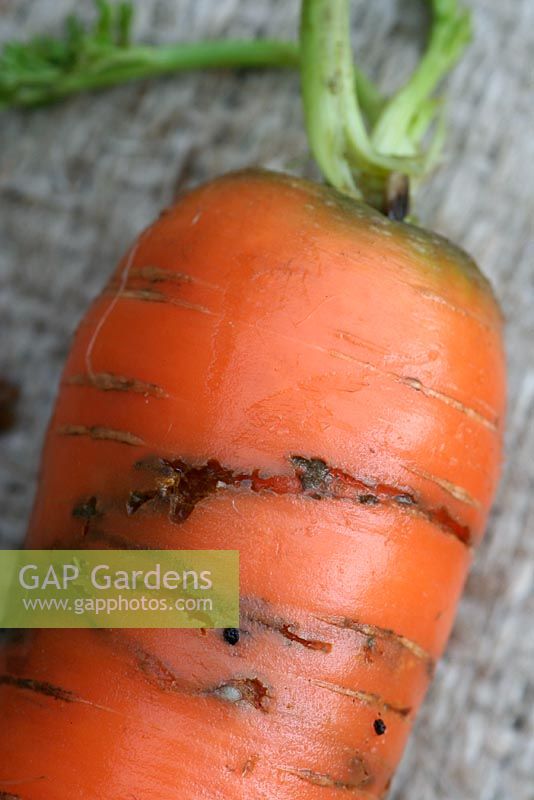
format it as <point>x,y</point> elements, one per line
<point>38,87</point>
<point>96,56</point>
<point>357,159</point>
<point>142,62</point>
<point>335,124</point>
<point>398,128</point>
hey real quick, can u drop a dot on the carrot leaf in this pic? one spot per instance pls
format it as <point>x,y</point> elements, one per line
<point>101,54</point>
<point>93,56</point>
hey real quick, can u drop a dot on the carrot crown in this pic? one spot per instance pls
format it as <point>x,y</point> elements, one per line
<point>362,141</point>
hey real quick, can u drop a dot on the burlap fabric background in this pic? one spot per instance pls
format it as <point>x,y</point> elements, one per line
<point>79,180</point>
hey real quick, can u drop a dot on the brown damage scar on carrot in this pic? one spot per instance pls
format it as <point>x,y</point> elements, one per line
<point>251,691</point>
<point>150,666</point>
<point>244,690</point>
<point>154,296</point>
<point>155,669</point>
<point>377,643</point>
<point>250,765</point>
<point>108,382</point>
<point>40,687</point>
<point>310,644</point>
<point>288,631</point>
<point>183,485</point>
<point>361,781</point>
<point>101,433</point>
<point>419,386</point>
<point>9,796</point>
<point>154,274</point>
<point>367,698</point>
<point>377,638</point>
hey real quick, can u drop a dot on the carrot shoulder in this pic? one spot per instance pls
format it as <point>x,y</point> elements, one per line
<point>331,385</point>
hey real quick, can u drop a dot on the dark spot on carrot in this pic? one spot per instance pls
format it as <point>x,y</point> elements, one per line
<point>313,474</point>
<point>9,395</point>
<point>41,687</point>
<point>86,509</point>
<point>379,727</point>
<point>15,635</point>
<point>231,635</point>
<point>368,499</point>
<point>138,499</point>
<point>9,796</point>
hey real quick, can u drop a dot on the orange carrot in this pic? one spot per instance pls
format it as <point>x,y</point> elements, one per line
<point>282,370</point>
<point>351,369</point>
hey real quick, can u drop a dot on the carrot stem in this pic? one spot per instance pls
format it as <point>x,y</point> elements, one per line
<point>406,117</point>
<point>355,157</point>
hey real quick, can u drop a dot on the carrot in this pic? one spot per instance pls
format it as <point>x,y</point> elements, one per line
<point>323,390</point>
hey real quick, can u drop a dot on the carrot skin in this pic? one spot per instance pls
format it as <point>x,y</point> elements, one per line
<point>331,385</point>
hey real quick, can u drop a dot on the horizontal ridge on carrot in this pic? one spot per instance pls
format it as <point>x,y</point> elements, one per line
<point>276,368</point>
